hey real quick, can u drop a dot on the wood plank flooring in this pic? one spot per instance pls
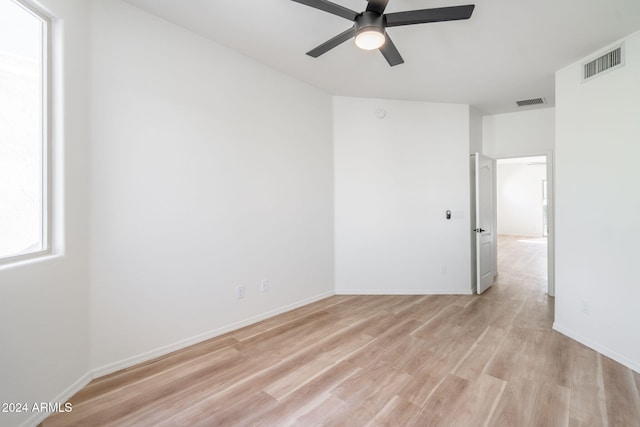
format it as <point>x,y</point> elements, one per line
<point>350,361</point>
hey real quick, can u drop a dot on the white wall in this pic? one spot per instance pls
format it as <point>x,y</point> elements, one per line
<point>44,305</point>
<point>519,134</point>
<point>395,177</point>
<point>475,130</point>
<point>519,199</point>
<point>598,206</point>
<point>209,171</point>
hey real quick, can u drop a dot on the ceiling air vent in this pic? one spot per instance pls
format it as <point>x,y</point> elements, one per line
<point>606,62</point>
<point>527,102</point>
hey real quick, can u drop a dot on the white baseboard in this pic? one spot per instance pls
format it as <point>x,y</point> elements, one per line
<point>633,365</point>
<point>401,292</point>
<point>161,351</point>
<point>38,417</point>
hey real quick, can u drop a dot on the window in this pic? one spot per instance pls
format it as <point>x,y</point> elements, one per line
<point>24,132</point>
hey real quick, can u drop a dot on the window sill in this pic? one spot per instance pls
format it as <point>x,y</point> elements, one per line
<point>27,259</point>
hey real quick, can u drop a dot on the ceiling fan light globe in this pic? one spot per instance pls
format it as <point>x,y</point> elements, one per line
<point>369,39</point>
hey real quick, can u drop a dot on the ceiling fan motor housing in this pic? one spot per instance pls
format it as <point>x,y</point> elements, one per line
<point>370,21</point>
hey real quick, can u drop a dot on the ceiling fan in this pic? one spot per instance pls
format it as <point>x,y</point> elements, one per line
<point>369,26</point>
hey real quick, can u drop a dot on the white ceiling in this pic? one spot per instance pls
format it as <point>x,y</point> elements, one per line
<point>508,50</point>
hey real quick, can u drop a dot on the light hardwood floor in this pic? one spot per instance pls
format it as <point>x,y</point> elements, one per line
<point>382,361</point>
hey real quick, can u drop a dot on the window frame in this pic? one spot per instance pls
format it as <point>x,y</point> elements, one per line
<point>46,167</point>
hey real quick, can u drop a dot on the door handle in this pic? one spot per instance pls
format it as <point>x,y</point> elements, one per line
<point>479,230</point>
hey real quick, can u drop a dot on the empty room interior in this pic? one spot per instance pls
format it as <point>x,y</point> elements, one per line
<point>346,213</point>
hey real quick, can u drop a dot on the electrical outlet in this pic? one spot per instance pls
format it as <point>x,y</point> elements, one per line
<point>240,292</point>
<point>264,285</point>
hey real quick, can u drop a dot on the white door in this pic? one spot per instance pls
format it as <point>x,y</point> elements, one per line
<point>485,222</point>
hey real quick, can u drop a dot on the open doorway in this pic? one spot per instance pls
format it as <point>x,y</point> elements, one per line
<point>523,213</point>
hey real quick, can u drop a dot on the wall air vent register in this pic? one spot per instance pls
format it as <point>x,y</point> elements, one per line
<point>532,101</point>
<point>609,61</point>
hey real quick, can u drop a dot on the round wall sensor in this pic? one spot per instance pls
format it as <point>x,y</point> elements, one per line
<point>380,112</point>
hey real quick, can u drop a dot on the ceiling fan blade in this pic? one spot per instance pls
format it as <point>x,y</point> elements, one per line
<point>377,6</point>
<point>332,8</point>
<point>424,16</point>
<point>390,52</point>
<point>333,42</point>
